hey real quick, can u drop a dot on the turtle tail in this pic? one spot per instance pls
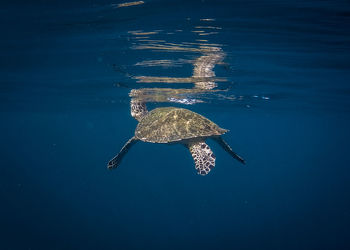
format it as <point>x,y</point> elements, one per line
<point>118,158</point>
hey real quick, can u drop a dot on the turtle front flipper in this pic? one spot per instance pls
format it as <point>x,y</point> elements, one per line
<point>118,158</point>
<point>203,157</point>
<point>228,149</point>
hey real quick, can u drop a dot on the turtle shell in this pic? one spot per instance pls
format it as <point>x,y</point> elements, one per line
<point>166,125</point>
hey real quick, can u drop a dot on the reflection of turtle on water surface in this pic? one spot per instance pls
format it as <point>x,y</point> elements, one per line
<point>176,125</point>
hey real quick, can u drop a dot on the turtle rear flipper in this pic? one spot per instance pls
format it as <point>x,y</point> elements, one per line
<point>118,158</point>
<point>228,149</point>
<point>203,157</point>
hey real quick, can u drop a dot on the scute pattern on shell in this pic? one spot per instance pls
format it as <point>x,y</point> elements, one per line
<point>164,125</point>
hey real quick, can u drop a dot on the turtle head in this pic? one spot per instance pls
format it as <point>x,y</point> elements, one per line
<point>138,109</point>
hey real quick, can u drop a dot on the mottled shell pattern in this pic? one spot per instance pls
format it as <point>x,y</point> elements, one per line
<point>166,125</point>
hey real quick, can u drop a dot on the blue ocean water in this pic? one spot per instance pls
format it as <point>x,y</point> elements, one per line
<point>275,73</point>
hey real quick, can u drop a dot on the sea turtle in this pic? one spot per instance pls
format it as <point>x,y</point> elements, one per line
<point>176,125</point>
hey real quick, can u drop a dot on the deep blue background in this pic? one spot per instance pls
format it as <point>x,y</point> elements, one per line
<point>63,118</point>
